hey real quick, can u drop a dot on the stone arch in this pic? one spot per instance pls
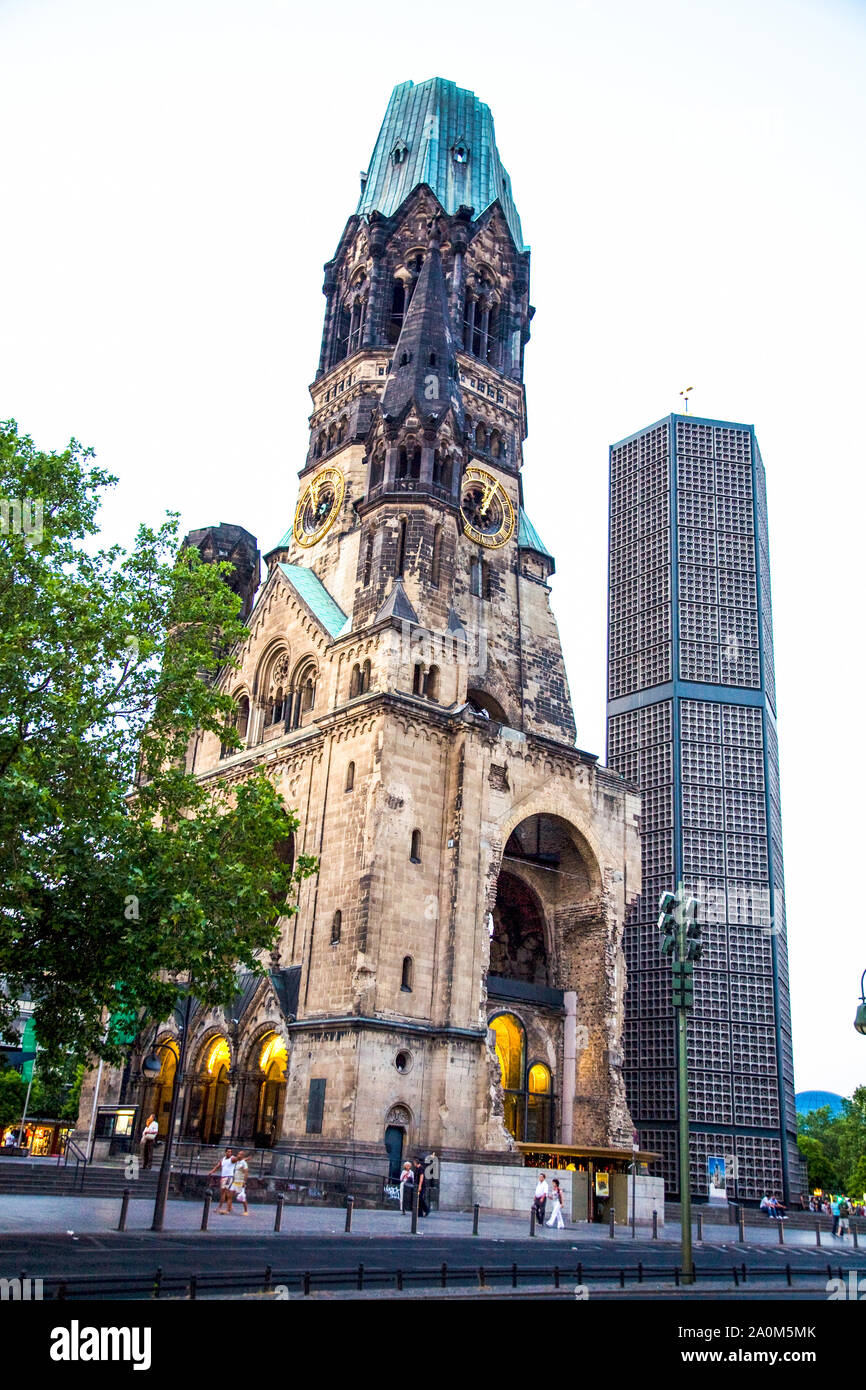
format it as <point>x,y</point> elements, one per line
<point>561,808</point>
<point>521,946</point>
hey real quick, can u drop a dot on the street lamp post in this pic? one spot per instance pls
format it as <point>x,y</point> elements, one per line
<point>165,1166</point>
<point>860,1019</point>
<point>681,941</point>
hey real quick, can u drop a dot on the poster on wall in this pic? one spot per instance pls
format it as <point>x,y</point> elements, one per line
<point>602,1185</point>
<point>716,1178</point>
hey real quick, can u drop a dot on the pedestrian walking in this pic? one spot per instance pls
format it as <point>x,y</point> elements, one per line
<point>420,1183</point>
<point>834,1212</point>
<point>148,1139</point>
<point>542,1191</point>
<point>239,1182</point>
<point>844,1214</point>
<point>555,1217</point>
<point>226,1168</point>
<point>407,1186</point>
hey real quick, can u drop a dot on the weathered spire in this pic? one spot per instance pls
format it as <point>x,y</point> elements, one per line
<point>424,370</point>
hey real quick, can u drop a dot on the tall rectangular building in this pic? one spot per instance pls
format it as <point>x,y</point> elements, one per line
<point>692,720</point>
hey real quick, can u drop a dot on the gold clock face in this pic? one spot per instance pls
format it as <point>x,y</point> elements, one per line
<point>485,507</point>
<point>319,506</point>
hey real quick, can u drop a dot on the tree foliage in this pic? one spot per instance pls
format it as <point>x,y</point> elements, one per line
<point>835,1146</point>
<point>108,661</point>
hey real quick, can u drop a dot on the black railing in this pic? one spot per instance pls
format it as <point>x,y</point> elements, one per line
<point>443,1276</point>
<point>72,1150</point>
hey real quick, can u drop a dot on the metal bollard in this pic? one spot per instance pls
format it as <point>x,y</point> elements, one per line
<point>700,1225</point>
<point>124,1208</point>
<point>655,1225</point>
<point>532,1221</point>
<point>415,1196</point>
<point>350,1207</point>
<point>817,1232</point>
<point>278,1214</point>
<point>444,1275</point>
<point>481,1277</point>
<point>157,1282</point>
<point>854,1234</point>
<point>360,1276</point>
<point>612,1219</point>
<point>306,1282</point>
<point>781,1226</point>
<point>192,1287</point>
<point>205,1210</point>
<point>475,1214</point>
<point>742,1226</point>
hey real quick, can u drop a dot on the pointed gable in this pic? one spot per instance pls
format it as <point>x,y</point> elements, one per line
<point>424,366</point>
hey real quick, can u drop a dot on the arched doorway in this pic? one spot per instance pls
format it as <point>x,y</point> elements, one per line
<point>215,1094</point>
<point>157,1094</point>
<point>272,1091</point>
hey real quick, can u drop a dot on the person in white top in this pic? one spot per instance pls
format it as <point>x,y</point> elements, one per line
<point>226,1166</point>
<point>555,1217</point>
<point>541,1194</point>
<point>148,1139</point>
<point>238,1190</point>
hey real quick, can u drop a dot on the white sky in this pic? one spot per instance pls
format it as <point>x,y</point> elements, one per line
<point>690,179</point>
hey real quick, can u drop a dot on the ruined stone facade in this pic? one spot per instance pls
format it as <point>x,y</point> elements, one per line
<point>403,685</point>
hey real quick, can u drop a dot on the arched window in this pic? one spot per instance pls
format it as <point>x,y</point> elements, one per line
<point>441,469</point>
<point>356,325</point>
<point>243,722</point>
<point>341,346</point>
<point>469,322</point>
<point>302,696</point>
<point>355,682</point>
<point>527,1093</point>
<point>398,309</point>
<point>431,360</point>
<point>495,444</point>
<point>341,432</point>
<point>321,444</point>
<point>406,975</point>
<point>436,560</point>
<point>336,927</point>
<point>431,683</point>
<point>366,672</point>
<point>350,777</point>
<point>415,853</point>
<point>278,706</point>
<point>479,579</point>
<point>418,679</point>
<point>481,438</point>
<point>493,336</point>
<point>400,560</point>
<point>377,468</point>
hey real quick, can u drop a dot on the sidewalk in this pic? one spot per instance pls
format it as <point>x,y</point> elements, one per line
<point>79,1216</point>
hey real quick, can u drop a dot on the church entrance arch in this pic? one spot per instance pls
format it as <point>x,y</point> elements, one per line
<point>209,1094</point>
<point>272,1091</point>
<point>157,1094</point>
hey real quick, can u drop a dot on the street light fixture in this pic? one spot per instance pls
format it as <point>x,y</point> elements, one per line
<point>860,1019</point>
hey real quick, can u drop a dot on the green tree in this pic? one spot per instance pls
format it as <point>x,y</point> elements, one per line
<point>108,666</point>
<point>834,1146</point>
<point>822,1174</point>
<point>12,1093</point>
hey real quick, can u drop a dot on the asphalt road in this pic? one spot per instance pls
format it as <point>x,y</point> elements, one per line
<point>90,1262</point>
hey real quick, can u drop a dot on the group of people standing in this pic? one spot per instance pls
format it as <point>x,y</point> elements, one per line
<point>234,1171</point>
<point>412,1179</point>
<point>543,1194</point>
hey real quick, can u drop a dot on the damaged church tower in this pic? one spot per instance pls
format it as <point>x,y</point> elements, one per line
<point>453,980</point>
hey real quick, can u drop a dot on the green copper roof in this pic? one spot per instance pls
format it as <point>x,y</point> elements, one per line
<point>528,537</point>
<point>431,120</point>
<point>316,597</point>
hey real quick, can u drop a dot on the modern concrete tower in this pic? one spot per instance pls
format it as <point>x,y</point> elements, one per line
<point>692,721</point>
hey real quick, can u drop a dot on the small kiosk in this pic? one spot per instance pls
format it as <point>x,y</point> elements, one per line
<point>598,1177</point>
